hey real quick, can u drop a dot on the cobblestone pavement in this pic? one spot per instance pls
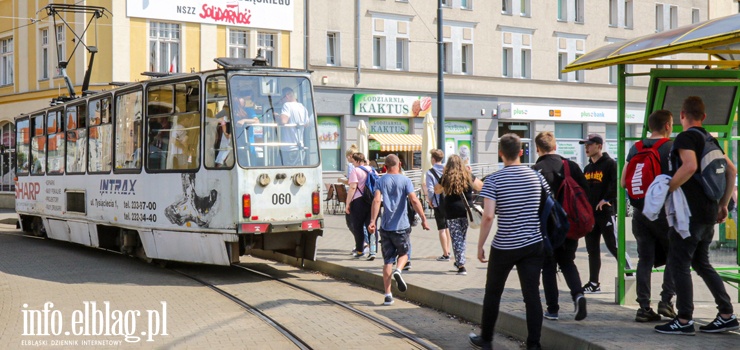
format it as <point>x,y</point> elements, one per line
<point>436,284</point>
<point>35,271</point>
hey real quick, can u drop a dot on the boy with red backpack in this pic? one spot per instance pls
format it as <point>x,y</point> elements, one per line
<point>646,160</point>
<point>552,167</point>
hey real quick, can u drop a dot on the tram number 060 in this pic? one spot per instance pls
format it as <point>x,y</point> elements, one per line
<point>281,198</point>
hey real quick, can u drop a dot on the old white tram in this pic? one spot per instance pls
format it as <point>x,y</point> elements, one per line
<point>201,167</point>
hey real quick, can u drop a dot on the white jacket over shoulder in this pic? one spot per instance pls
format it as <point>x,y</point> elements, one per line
<point>675,205</point>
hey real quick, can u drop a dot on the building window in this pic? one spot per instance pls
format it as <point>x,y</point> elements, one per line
<point>266,42</point>
<point>61,54</point>
<point>332,46</point>
<point>378,52</point>
<point>674,17</point>
<point>467,58</point>
<point>6,59</point>
<point>238,43</point>
<point>695,17</point>
<point>613,13</point>
<point>658,18</point>
<point>526,64</point>
<point>525,8</point>
<point>447,56</point>
<point>506,7</point>
<point>578,73</point>
<point>506,60</point>
<point>446,3</point>
<point>628,9</point>
<point>401,53</point>
<point>562,62</point>
<point>562,10</point>
<point>44,52</point>
<point>580,9</point>
<point>164,47</point>
<point>466,4</point>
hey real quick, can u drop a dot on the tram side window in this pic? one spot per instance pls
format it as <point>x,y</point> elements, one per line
<point>219,150</point>
<point>173,132</point>
<point>76,139</point>
<point>38,145</point>
<point>99,136</point>
<point>22,145</point>
<point>128,131</point>
<point>55,142</point>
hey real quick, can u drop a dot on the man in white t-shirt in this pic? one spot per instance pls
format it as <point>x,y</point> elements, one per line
<point>293,118</point>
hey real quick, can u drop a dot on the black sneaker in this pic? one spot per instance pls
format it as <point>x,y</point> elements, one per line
<point>720,325</point>
<point>647,315</point>
<point>477,342</point>
<point>675,327</point>
<point>580,307</point>
<point>399,280</point>
<point>666,309</point>
<point>591,287</point>
<point>462,271</point>
<point>371,257</point>
<point>388,300</point>
<point>357,255</point>
<point>443,258</point>
<point>407,266</point>
<point>550,316</point>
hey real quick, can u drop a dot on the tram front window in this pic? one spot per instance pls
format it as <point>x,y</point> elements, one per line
<point>273,121</point>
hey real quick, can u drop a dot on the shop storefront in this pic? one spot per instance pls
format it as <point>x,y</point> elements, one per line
<point>569,124</point>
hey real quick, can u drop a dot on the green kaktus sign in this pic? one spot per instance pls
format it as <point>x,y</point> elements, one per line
<point>391,105</point>
<point>388,126</point>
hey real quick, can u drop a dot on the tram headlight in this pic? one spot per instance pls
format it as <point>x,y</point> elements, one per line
<point>246,206</point>
<point>299,179</point>
<point>263,180</point>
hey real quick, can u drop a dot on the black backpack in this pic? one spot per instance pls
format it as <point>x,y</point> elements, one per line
<point>712,167</point>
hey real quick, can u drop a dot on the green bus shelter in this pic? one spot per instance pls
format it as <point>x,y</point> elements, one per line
<point>711,70</point>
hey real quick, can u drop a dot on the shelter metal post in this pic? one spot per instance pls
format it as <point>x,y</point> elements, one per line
<point>621,246</point>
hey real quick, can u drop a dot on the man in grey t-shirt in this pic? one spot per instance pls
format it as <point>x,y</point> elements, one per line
<point>393,190</point>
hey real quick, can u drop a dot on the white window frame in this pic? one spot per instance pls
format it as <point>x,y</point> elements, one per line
<point>447,54</point>
<point>506,7</point>
<point>659,18</point>
<point>507,58</point>
<point>44,53</point>
<point>238,45</point>
<point>629,18</point>
<point>269,49</point>
<point>466,4</point>
<point>163,36</point>
<point>378,52</point>
<point>562,13</point>
<point>695,15</point>
<point>579,75</point>
<point>525,8</point>
<point>466,59</point>
<point>525,69</point>
<point>60,37</point>
<point>614,13</point>
<point>562,62</point>
<point>673,16</point>
<point>332,49</point>
<point>402,53</point>
<point>580,11</point>
<point>6,61</point>
<point>446,3</point>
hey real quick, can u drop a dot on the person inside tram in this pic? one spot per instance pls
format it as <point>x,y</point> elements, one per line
<point>224,137</point>
<point>244,115</point>
<point>293,118</point>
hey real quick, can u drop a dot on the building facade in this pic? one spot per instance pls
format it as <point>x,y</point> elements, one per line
<point>372,60</point>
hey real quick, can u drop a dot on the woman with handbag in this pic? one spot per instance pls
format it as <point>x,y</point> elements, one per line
<point>457,184</point>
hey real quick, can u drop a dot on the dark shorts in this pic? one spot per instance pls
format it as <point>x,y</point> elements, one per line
<point>394,243</point>
<point>439,217</point>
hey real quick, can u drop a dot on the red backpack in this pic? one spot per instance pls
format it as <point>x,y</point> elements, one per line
<point>642,170</point>
<point>576,205</point>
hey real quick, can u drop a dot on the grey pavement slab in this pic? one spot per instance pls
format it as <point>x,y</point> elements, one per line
<point>436,284</point>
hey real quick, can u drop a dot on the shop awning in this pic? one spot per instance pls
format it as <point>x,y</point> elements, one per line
<point>397,142</point>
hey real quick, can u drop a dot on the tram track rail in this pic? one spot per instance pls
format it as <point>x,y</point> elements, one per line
<point>300,343</point>
<point>364,315</point>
